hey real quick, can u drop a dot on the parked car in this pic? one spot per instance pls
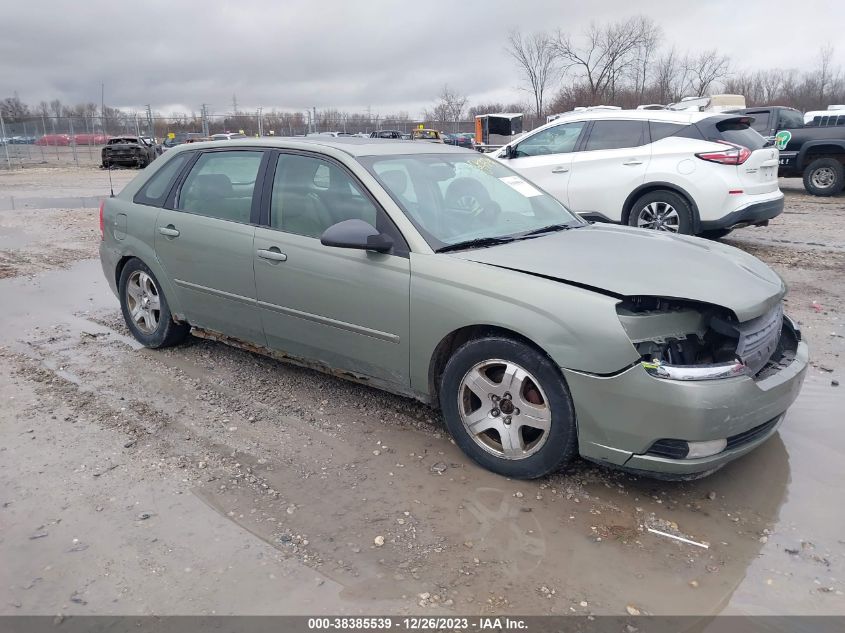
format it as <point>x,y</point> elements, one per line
<point>433,136</point>
<point>537,334</point>
<point>61,140</point>
<point>462,139</point>
<point>227,136</point>
<point>811,152</point>
<point>394,134</point>
<point>134,151</point>
<point>91,139</point>
<point>694,173</point>
<point>22,140</point>
<point>181,137</point>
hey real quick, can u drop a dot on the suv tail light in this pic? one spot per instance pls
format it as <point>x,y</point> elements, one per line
<point>102,222</point>
<point>734,155</point>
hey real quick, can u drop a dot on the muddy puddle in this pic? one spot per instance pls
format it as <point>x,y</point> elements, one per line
<point>366,491</point>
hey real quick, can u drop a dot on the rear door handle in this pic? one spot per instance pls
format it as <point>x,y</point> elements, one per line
<point>169,231</point>
<point>274,255</point>
<point>560,170</point>
<point>633,162</point>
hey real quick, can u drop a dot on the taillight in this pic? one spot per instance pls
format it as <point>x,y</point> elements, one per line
<point>735,155</point>
<point>102,222</point>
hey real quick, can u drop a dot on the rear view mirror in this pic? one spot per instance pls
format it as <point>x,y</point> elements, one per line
<point>356,234</point>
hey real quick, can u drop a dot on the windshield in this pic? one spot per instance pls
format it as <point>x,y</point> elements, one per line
<point>453,198</point>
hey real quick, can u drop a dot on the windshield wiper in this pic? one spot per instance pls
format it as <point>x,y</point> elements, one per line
<point>476,243</point>
<point>551,228</point>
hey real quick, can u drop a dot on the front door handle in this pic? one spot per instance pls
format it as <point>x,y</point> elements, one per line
<point>633,162</point>
<point>273,254</point>
<point>169,230</point>
<point>560,170</point>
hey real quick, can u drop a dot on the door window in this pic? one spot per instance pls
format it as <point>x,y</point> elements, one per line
<point>788,120</point>
<point>559,139</point>
<point>221,184</point>
<point>616,135</point>
<point>311,194</point>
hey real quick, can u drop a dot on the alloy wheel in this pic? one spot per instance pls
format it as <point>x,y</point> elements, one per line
<point>659,216</point>
<point>823,177</point>
<point>504,409</point>
<point>143,301</point>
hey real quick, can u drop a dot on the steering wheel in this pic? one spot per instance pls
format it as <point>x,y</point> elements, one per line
<point>470,196</point>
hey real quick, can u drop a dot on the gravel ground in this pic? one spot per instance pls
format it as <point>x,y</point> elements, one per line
<point>207,479</point>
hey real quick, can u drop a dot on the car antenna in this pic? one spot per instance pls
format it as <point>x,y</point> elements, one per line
<point>111,186</point>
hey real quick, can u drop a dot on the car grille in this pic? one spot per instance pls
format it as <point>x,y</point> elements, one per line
<point>746,437</point>
<point>758,338</point>
<point>678,449</point>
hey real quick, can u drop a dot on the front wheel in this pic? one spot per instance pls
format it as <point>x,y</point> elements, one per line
<point>824,177</point>
<point>662,210</point>
<point>508,408</point>
<point>145,307</point>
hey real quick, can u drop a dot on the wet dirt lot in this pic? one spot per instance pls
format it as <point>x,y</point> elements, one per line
<point>206,479</point>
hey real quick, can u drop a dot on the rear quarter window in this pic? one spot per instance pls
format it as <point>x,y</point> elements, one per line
<point>154,193</point>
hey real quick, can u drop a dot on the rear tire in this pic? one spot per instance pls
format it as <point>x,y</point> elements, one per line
<point>508,408</point>
<point>662,210</point>
<point>145,308</point>
<point>824,177</point>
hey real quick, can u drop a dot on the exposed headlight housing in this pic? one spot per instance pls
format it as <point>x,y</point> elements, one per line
<point>715,371</point>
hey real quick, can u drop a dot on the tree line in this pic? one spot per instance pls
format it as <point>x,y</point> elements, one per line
<point>627,63</point>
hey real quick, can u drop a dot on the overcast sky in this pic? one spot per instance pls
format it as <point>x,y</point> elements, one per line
<point>389,55</point>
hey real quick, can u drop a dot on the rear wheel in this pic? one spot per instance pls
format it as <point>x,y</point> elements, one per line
<point>145,307</point>
<point>662,210</point>
<point>824,177</point>
<point>508,408</point>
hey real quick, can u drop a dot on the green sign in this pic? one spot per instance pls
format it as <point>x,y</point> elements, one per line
<point>782,138</point>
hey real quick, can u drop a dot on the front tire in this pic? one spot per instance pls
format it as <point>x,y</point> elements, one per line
<point>145,308</point>
<point>824,177</point>
<point>662,210</point>
<point>508,408</point>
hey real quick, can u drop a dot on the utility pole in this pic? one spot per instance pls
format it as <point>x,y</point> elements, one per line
<point>103,106</point>
<point>315,118</point>
<point>260,123</point>
<point>150,123</point>
<point>5,142</point>
<point>205,119</point>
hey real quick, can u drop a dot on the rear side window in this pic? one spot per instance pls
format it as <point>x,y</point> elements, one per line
<point>740,133</point>
<point>616,135</point>
<point>660,130</point>
<point>154,193</point>
<point>220,185</point>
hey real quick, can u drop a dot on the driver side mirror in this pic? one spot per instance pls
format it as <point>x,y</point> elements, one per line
<point>510,151</point>
<point>356,234</point>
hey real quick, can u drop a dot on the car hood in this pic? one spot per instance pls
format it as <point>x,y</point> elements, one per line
<point>630,262</point>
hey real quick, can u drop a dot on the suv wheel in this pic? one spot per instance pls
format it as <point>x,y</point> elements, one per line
<point>145,307</point>
<point>662,211</point>
<point>824,177</point>
<point>508,408</point>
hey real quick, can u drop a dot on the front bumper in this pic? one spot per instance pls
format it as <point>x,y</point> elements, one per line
<point>754,213</point>
<point>620,417</point>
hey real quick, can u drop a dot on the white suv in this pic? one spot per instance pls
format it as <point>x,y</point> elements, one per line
<point>696,173</point>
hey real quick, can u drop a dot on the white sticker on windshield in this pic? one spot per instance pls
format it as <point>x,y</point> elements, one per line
<point>518,184</point>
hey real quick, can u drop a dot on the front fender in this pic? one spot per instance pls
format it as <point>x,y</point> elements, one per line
<point>578,328</point>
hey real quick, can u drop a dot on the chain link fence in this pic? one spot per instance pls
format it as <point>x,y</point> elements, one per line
<point>77,141</point>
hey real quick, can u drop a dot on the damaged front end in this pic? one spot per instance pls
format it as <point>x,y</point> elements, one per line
<point>687,340</point>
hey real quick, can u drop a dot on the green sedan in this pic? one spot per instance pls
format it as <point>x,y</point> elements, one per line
<point>440,274</point>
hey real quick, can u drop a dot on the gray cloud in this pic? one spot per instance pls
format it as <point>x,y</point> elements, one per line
<point>390,55</point>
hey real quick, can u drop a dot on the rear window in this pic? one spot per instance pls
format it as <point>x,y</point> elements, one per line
<point>738,132</point>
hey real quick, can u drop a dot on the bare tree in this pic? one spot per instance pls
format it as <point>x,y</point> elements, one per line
<point>536,59</point>
<point>605,53</point>
<point>704,69</point>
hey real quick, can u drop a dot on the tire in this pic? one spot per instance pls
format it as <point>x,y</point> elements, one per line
<point>824,177</point>
<point>540,397</point>
<point>666,210</point>
<point>715,234</point>
<point>150,329</point>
